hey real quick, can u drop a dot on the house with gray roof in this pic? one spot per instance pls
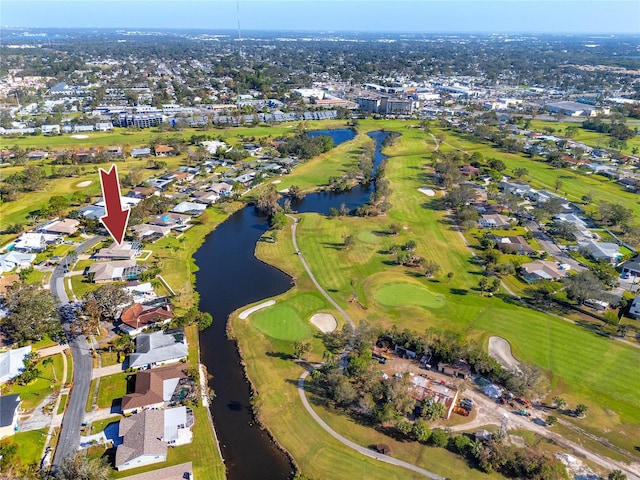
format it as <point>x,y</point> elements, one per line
<point>101,272</point>
<point>11,260</point>
<point>9,410</point>
<point>147,434</point>
<point>159,348</point>
<point>142,443</point>
<point>12,362</point>
<point>601,251</point>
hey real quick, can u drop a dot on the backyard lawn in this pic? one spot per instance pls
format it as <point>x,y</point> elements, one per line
<point>48,382</point>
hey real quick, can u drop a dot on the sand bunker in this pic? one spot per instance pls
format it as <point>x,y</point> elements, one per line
<point>80,136</point>
<point>245,313</point>
<point>86,183</point>
<point>427,191</point>
<point>325,322</point>
<point>276,182</point>
<point>500,349</point>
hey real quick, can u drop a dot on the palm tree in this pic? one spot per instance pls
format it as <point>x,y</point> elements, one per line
<point>49,361</point>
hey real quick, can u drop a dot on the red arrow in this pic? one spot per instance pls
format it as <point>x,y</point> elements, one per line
<point>116,219</point>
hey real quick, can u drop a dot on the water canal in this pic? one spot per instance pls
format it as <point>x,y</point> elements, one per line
<point>230,277</point>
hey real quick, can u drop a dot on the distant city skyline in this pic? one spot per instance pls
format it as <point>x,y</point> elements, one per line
<point>425,16</point>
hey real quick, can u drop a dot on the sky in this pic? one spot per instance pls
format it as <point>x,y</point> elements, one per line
<point>428,16</point>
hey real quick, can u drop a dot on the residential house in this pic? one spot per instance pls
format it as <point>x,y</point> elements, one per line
<point>458,369</point>
<point>140,292</point>
<point>190,208</point>
<point>183,177</point>
<point>163,150</point>
<point>37,155</point>
<point>206,198</point>
<point>424,388</point>
<point>93,211</point>
<point>159,183</point>
<point>601,251</point>
<point>35,242</point>
<point>140,192</point>
<point>147,434</point>
<point>9,410</point>
<point>68,226</point>
<point>494,221</point>
<point>222,189</point>
<point>159,348</point>
<point>515,244</point>
<point>11,260</point>
<point>114,152</point>
<point>8,280</point>
<point>140,152</point>
<point>170,220</point>
<point>50,129</point>
<point>150,233</point>
<point>469,171</point>
<point>142,443</point>
<point>634,309</point>
<point>12,362</point>
<point>116,271</point>
<point>104,126</point>
<point>631,267</point>
<point>135,318</point>
<point>153,388</point>
<point>125,251</point>
<point>581,226</point>
<point>543,270</point>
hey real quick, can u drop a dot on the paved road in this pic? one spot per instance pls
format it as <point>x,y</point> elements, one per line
<point>69,439</point>
<point>313,279</point>
<point>358,448</point>
<point>547,243</point>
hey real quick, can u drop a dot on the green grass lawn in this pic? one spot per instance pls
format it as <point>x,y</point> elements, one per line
<point>113,387</point>
<point>581,366</point>
<point>92,391</point>
<point>281,322</point>
<point>99,425</point>
<point>397,294</point>
<point>49,381</point>
<point>30,445</point>
<point>63,403</point>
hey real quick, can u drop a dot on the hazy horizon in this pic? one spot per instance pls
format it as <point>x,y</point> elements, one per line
<point>410,16</point>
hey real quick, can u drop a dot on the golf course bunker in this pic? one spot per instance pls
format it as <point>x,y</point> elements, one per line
<point>325,322</point>
<point>80,136</point>
<point>86,183</point>
<point>282,322</point>
<point>398,294</point>
<point>500,350</point>
<point>427,191</point>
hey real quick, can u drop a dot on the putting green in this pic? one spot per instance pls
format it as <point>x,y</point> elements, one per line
<point>367,236</point>
<point>281,322</point>
<point>397,294</point>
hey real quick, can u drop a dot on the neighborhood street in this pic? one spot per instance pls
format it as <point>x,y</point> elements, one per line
<point>69,439</point>
<point>549,246</point>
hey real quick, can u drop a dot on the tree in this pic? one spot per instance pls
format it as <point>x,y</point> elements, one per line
<point>124,345</point>
<point>399,395</point>
<point>552,420</point>
<point>33,313</point>
<point>449,277</point>
<point>438,437</point>
<point>395,228</point>
<point>564,229</point>
<point>348,241</point>
<point>432,410</point>
<point>431,268</point>
<point>616,475</point>
<point>614,213</point>
<point>296,192</point>
<point>81,467</point>
<point>581,410</point>
<point>520,172</point>
<point>557,185</point>
<point>421,431</point>
<point>29,372</point>
<point>109,298</point>
<point>300,349</point>
<point>49,361</point>
<point>483,285</point>
<point>267,201</point>
<point>583,286</point>
<point>559,402</point>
